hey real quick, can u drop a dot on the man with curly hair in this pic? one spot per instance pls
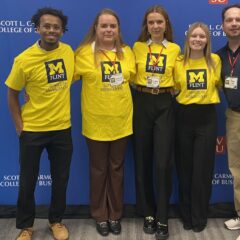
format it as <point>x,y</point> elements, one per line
<point>44,71</point>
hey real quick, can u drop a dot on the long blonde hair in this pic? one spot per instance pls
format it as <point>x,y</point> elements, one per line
<point>144,35</point>
<point>91,36</point>
<point>207,49</point>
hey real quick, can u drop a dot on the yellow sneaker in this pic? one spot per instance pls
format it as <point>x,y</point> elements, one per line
<point>59,231</point>
<point>25,234</point>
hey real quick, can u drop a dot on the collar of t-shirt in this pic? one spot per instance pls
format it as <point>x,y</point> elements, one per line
<point>93,47</point>
<point>164,42</point>
<point>39,46</point>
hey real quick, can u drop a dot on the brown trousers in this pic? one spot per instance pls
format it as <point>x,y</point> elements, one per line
<point>106,178</point>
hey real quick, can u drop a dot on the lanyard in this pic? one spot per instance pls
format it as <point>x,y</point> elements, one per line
<point>157,60</point>
<point>112,62</point>
<point>232,63</point>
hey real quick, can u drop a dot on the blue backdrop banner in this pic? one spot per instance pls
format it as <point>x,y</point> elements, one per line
<point>16,34</point>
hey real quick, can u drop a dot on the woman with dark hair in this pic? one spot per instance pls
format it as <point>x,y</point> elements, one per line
<point>155,55</point>
<point>106,65</point>
<point>197,77</point>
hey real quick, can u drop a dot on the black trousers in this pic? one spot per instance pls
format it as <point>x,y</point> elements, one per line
<point>196,145</point>
<point>59,148</point>
<point>153,125</point>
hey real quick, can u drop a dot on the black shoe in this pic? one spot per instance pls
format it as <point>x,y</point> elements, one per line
<point>115,226</point>
<point>199,228</point>
<point>162,231</point>
<point>102,228</point>
<point>187,226</point>
<point>149,225</point>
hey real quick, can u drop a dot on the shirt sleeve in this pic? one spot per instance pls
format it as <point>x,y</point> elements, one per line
<point>17,78</point>
<point>132,65</point>
<point>77,66</point>
<point>218,68</point>
<point>178,72</point>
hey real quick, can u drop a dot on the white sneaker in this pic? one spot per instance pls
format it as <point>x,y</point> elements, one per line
<point>233,224</point>
<point>238,238</point>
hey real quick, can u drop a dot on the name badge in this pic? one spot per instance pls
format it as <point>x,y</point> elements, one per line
<point>153,81</point>
<point>231,82</point>
<point>116,79</point>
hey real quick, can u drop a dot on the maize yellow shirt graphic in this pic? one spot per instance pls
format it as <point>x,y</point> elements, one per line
<point>196,82</point>
<point>106,110</point>
<point>145,62</point>
<point>46,77</point>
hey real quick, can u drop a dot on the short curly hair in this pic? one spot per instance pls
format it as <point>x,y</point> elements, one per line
<point>51,11</point>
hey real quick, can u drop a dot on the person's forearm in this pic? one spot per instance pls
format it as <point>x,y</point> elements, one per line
<point>15,109</point>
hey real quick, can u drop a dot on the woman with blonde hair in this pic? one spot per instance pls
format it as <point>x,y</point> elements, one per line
<point>106,65</point>
<point>153,119</point>
<point>197,77</point>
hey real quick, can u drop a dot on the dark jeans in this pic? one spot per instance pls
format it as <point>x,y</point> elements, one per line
<point>59,148</point>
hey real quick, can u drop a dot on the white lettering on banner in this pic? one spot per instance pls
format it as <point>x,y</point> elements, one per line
<point>15,26</point>
<point>44,177</point>
<point>11,177</point>
<point>223,176</point>
<point>8,23</point>
<point>215,30</point>
<point>44,180</point>
<point>27,30</point>
<point>10,181</point>
<point>14,23</point>
<point>10,30</point>
<point>222,179</point>
<point>215,181</point>
<point>45,183</point>
<point>9,184</point>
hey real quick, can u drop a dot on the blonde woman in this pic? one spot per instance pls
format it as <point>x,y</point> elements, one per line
<point>197,77</point>
<point>106,65</point>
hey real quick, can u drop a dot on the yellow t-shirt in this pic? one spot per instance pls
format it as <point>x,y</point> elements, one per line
<point>145,62</point>
<point>196,82</point>
<point>46,77</point>
<point>106,110</point>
